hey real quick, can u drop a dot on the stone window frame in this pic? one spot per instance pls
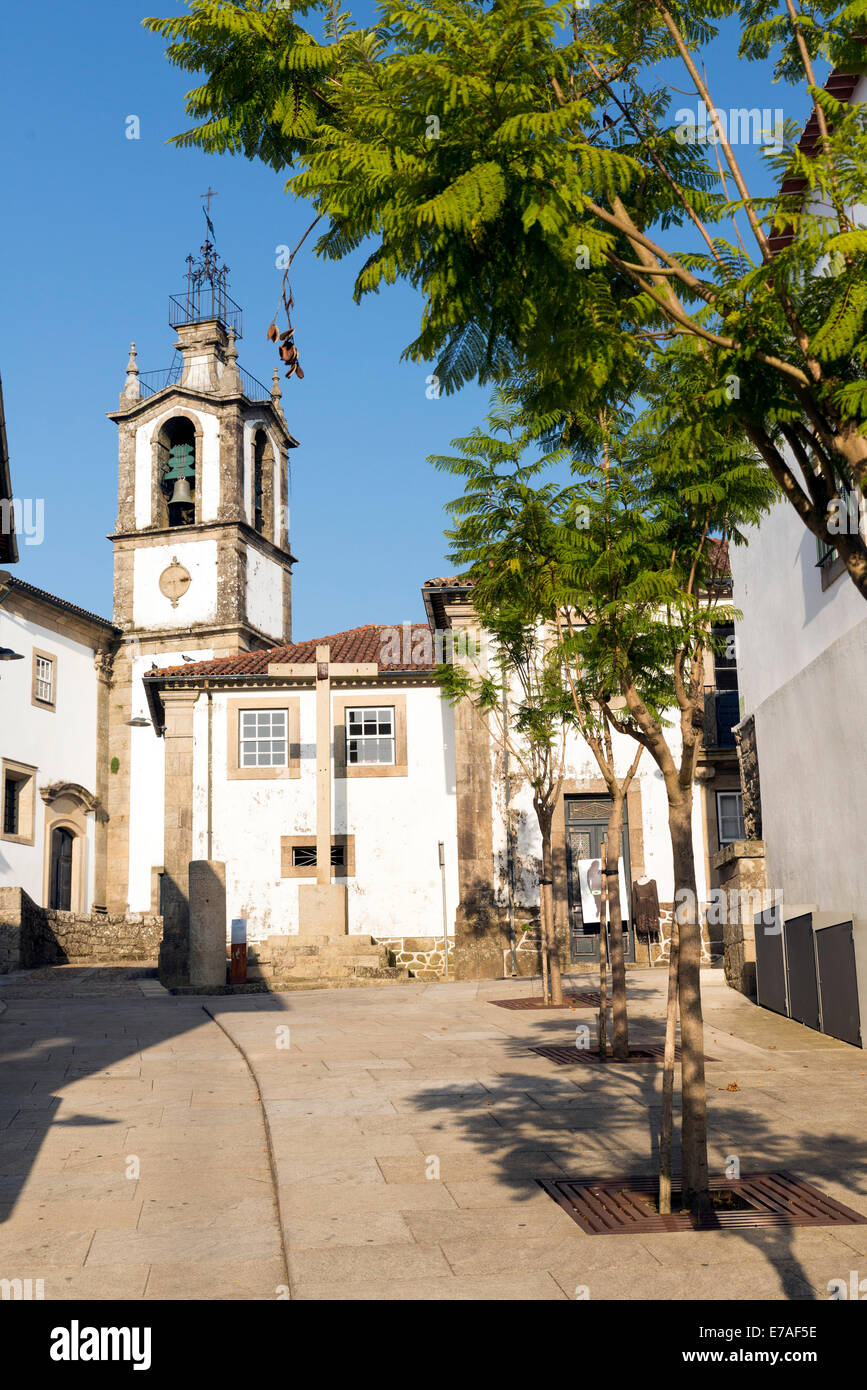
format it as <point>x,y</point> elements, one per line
<point>727,791</point>
<point>159,502</point>
<point>66,811</point>
<point>266,461</point>
<point>35,699</point>
<point>591,786</point>
<point>21,772</point>
<point>364,700</point>
<point>290,870</point>
<point>292,706</point>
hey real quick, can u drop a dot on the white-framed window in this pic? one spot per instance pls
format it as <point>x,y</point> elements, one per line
<point>44,679</point>
<point>263,738</point>
<point>730,817</point>
<point>370,736</point>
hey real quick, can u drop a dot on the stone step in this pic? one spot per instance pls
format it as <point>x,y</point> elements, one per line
<point>285,985</point>
<point>309,968</point>
<point>323,961</point>
<point>353,942</point>
<point>383,972</point>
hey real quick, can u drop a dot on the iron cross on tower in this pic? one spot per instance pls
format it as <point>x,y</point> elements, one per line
<point>211,193</point>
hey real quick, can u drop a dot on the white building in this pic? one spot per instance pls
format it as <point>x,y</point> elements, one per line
<point>166,740</point>
<point>52,701</point>
<point>802,660</point>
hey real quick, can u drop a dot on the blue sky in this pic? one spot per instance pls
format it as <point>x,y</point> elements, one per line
<point>95,231</point>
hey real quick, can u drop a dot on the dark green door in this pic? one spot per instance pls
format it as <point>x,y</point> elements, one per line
<point>586,827</point>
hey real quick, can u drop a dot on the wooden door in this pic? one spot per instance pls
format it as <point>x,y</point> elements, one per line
<point>61,869</point>
<point>586,828</point>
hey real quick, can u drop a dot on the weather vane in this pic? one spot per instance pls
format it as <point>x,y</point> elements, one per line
<point>211,193</point>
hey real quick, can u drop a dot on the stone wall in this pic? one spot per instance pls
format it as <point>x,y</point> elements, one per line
<point>485,951</point>
<point>421,955</point>
<point>748,760</point>
<point>743,877</point>
<point>31,936</point>
<point>20,922</point>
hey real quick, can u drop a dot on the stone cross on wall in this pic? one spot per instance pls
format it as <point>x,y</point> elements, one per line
<point>322,908</point>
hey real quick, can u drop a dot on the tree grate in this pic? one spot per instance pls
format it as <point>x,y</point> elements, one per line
<point>626,1206</point>
<point>588,1000</point>
<point>573,1056</point>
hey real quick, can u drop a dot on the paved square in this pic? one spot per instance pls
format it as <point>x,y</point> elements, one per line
<point>144,1139</point>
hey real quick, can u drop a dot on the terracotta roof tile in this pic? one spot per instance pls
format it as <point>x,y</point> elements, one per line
<point>841,86</point>
<point>376,642</point>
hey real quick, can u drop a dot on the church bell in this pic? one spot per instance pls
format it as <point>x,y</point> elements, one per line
<point>181,493</point>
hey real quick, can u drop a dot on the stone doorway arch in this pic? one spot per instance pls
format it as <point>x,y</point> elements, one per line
<point>67,807</point>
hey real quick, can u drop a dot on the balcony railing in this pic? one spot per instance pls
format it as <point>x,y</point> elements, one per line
<point>205,301</point>
<point>153,382</point>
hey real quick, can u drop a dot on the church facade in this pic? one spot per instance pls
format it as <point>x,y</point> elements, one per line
<point>191,727</point>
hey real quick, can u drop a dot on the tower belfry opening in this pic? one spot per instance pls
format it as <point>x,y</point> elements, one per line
<point>179,477</point>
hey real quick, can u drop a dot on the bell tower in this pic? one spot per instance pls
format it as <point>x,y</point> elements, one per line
<point>202,564</point>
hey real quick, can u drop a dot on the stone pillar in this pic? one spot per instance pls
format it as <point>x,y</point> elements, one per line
<point>207,940</point>
<point>741,870</point>
<point>103,663</point>
<point>479,935</point>
<point>174,965</point>
<point>114,745</point>
<point>323,909</point>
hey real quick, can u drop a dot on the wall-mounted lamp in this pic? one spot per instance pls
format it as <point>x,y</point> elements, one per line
<point>7,654</point>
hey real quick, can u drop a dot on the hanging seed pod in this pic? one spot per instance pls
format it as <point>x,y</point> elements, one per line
<point>272,332</point>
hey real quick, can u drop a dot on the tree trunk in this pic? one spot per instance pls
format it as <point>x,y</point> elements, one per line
<point>696,1196</point>
<point>666,1119</point>
<point>611,893</point>
<point>546,907</point>
<point>603,969</point>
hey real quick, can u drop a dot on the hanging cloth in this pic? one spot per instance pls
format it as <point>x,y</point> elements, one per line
<point>645,908</point>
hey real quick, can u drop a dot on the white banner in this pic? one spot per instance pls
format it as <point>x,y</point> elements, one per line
<point>590,879</point>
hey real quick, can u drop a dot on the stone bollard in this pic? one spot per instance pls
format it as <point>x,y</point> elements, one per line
<point>207,923</point>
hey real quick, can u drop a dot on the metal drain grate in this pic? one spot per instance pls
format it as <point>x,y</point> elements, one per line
<point>622,1206</point>
<point>588,1000</point>
<point>572,1056</point>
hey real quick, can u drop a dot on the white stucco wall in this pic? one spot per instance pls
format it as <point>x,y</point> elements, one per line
<point>59,743</point>
<point>151,608</point>
<point>397,823</point>
<point>813,771</point>
<point>802,669</point>
<point>264,594</point>
<point>788,621</point>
